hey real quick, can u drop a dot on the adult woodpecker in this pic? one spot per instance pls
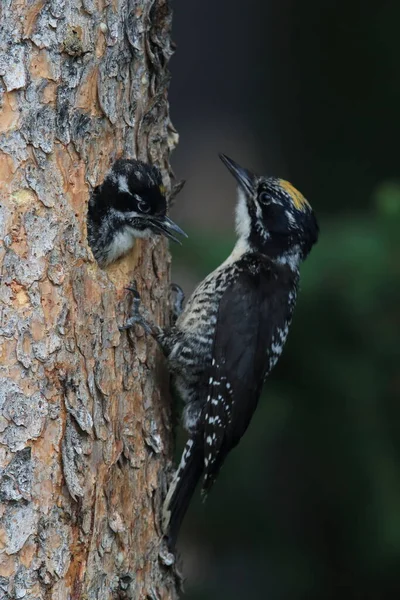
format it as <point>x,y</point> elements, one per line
<point>232,330</point>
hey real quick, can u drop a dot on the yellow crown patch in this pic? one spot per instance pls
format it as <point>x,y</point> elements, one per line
<point>297,198</point>
<point>162,189</point>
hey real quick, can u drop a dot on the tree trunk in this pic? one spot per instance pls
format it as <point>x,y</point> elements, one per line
<point>85,412</point>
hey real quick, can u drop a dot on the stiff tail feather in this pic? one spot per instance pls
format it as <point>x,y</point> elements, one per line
<point>181,489</point>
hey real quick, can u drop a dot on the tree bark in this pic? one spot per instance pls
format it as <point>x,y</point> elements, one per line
<point>84,425</point>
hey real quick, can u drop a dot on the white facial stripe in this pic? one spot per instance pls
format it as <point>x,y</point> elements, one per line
<point>290,217</point>
<point>132,214</point>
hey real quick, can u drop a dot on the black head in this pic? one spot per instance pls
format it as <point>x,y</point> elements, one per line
<point>272,216</point>
<point>133,197</point>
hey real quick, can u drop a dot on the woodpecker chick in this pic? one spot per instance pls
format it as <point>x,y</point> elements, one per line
<point>129,204</point>
<point>233,329</point>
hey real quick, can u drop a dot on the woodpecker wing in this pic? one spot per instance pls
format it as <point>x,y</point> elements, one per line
<point>252,312</point>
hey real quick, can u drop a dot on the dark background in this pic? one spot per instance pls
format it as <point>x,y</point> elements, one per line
<point>308,506</point>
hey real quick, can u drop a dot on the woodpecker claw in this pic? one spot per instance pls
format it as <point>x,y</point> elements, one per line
<point>136,296</point>
<point>136,318</point>
<point>132,288</point>
<point>176,288</point>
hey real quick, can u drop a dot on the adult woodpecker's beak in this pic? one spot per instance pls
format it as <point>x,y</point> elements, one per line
<point>245,177</point>
<point>164,226</point>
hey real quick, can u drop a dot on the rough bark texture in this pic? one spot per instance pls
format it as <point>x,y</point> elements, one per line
<point>84,418</point>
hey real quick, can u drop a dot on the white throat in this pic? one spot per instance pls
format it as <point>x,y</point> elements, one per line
<point>242,219</point>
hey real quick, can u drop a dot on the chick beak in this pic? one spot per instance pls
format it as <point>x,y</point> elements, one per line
<point>244,177</point>
<point>165,226</point>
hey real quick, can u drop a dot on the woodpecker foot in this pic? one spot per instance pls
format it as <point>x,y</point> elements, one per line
<point>177,305</point>
<point>136,318</point>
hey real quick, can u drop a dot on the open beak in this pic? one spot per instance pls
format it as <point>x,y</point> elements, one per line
<point>165,226</point>
<point>244,177</point>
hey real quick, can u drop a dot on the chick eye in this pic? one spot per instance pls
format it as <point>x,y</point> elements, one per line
<point>143,206</point>
<point>264,197</point>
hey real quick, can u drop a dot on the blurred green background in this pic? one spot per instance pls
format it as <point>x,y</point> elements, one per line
<point>308,506</point>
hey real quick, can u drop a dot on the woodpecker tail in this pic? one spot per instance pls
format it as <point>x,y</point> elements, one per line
<point>181,490</point>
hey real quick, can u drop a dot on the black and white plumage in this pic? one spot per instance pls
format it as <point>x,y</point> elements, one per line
<point>232,330</point>
<point>129,204</point>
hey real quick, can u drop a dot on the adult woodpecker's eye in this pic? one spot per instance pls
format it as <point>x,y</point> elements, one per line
<point>264,197</point>
<point>143,206</point>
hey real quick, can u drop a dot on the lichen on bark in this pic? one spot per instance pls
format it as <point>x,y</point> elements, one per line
<point>84,409</point>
